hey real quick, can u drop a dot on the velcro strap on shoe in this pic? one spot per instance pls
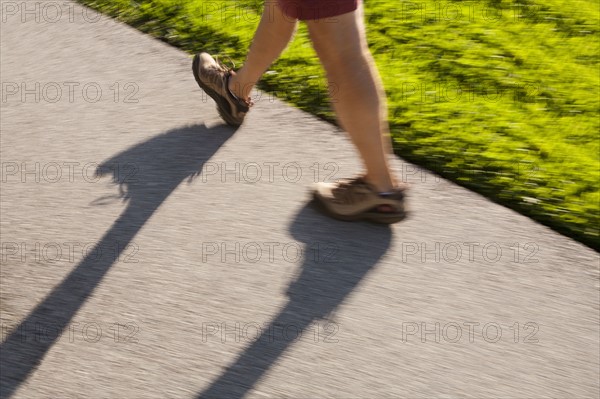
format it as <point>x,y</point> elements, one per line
<point>240,103</point>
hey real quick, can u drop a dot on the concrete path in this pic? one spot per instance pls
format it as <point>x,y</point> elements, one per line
<point>149,251</point>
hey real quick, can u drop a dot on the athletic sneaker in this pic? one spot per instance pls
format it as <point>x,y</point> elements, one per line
<point>213,78</point>
<point>355,199</point>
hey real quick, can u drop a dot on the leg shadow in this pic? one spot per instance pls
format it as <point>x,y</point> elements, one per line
<point>337,256</point>
<point>146,174</point>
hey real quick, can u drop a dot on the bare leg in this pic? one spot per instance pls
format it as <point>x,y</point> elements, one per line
<point>360,102</point>
<point>272,36</point>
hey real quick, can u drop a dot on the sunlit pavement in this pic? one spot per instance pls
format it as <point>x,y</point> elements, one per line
<point>149,251</point>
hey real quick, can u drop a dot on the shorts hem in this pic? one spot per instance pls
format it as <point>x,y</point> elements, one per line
<point>307,10</point>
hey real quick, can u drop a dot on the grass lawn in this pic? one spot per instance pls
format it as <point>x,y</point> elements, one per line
<point>500,96</point>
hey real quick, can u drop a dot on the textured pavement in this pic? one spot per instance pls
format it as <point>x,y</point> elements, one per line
<point>149,251</point>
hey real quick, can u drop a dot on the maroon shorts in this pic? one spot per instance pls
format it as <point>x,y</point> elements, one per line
<point>316,9</point>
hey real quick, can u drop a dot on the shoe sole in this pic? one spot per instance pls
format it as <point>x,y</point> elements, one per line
<point>379,218</point>
<point>222,104</point>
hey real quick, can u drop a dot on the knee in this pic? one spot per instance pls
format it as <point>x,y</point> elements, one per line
<point>348,67</point>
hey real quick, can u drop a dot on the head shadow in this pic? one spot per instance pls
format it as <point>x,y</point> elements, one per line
<point>151,170</point>
<point>336,258</point>
<point>147,173</point>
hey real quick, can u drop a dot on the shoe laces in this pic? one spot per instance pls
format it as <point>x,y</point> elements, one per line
<point>222,67</point>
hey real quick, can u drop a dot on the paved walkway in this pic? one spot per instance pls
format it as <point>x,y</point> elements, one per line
<point>149,251</point>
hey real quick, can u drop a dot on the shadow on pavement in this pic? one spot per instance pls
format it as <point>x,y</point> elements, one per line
<point>147,174</point>
<point>337,256</point>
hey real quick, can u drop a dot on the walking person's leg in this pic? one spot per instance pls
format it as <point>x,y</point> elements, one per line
<point>360,105</point>
<point>231,90</point>
<point>360,102</point>
<point>272,36</point>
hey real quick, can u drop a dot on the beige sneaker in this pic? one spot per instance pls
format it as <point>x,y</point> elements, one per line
<point>213,78</point>
<point>355,199</point>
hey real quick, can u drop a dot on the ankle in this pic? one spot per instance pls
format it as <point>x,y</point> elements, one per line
<point>232,84</point>
<point>240,91</point>
<point>382,185</point>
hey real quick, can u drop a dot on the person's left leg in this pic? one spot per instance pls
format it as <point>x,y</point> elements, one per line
<point>230,89</point>
<point>272,36</point>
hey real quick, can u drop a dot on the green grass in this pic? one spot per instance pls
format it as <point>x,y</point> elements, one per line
<point>524,127</point>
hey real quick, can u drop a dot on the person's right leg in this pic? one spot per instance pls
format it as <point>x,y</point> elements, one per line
<point>359,100</point>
